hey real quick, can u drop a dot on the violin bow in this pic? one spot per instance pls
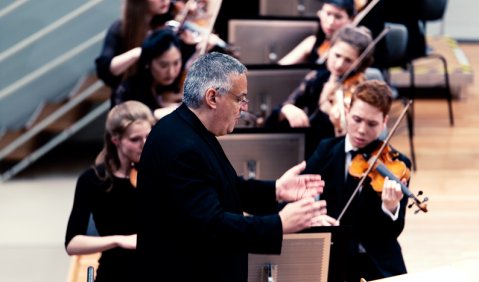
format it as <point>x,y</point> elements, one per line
<point>360,16</point>
<point>363,55</point>
<point>375,159</point>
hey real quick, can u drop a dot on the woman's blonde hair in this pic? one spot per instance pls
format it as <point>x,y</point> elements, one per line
<point>118,120</point>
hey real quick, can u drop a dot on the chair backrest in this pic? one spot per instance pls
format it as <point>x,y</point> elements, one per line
<point>432,10</point>
<point>396,44</point>
<point>291,8</point>
<point>374,74</point>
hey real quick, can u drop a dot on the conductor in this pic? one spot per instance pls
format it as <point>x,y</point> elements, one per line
<point>192,206</point>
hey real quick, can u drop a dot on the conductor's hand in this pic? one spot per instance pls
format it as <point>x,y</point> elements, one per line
<point>302,214</point>
<point>292,186</point>
<point>295,116</point>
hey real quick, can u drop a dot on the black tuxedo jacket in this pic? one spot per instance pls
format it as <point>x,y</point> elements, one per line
<point>372,228</point>
<point>191,225</point>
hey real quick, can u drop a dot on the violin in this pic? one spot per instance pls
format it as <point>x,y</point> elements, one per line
<point>342,100</point>
<point>322,51</point>
<point>382,163</point>
<point>214,8</point>
<point>133,175</point>
<point>194,17</point>
<point>181,22</point>
<point>388,165</point>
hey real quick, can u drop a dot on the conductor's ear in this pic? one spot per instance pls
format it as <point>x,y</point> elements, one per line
<point>210,97</point>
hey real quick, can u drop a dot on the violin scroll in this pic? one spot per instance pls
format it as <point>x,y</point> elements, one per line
<point>422,205</point>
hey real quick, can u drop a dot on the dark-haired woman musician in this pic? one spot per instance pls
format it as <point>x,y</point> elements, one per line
<point>157,81</point>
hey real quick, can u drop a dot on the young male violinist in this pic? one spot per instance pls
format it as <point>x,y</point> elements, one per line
<point>375,218</point>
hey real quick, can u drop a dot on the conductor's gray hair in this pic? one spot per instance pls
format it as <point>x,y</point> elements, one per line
<point>213,70</point>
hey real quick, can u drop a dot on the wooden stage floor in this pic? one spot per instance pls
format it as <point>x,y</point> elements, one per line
<point>448,169</point>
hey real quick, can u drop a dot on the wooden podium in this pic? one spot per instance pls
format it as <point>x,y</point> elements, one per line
<point>304,257</point>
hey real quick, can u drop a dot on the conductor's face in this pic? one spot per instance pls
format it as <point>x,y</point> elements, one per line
<point>231,105</point>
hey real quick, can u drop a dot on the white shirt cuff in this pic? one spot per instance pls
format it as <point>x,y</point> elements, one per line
<point>394,216</point>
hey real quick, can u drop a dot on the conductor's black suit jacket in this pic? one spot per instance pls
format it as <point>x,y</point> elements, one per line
<point>191,204</point>
<point>372,228</point>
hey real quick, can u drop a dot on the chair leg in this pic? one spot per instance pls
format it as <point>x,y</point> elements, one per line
<point>411,143</point>
<point>447,87</point>
<point>412,95</point>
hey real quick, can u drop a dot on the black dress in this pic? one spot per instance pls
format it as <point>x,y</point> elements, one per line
<point>114,213</point>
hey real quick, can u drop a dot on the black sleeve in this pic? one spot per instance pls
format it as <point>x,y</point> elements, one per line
<point>258,197</point>
<point>299,96</point>
<point>199,207</point>
<point>317,161</point>
<point>111,48</point>
<point>82,206</point>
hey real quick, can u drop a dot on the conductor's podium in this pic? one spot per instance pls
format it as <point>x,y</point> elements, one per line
<point>304,257</point>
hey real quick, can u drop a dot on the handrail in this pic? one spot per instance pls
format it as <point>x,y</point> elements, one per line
<point>51,65</point>
<point>55,141</point>
<point>12,7</point>
<point>46,30</point>
<point>76,100</point>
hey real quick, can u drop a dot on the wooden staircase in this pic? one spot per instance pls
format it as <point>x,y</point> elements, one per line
<point>51,124</point>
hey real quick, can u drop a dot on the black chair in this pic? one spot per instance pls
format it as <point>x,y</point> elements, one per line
<point>396,48</point>
<point>433,10</point>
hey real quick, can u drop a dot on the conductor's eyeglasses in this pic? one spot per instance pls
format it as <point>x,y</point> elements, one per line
<point>242,100</point>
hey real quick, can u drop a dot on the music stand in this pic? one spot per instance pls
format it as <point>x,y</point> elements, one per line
<point>263,155</point>
<point>271,85</point>
<point>265,41</point>
<point>304,257</point>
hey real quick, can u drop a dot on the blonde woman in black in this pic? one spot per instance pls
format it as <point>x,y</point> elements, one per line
<point>106,192</point>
